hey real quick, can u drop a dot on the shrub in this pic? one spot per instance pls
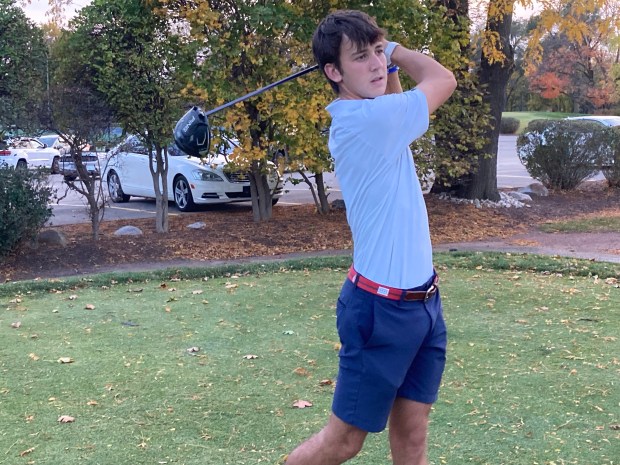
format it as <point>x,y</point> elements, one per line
<point>508,125</point>
<point>24,199</point>
<point>611,163</point>
<point>562,153</point>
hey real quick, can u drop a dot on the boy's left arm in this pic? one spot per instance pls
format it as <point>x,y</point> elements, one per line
<point>393,83</point>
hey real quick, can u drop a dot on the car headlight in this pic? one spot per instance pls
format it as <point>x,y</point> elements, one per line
<point>207,176</point>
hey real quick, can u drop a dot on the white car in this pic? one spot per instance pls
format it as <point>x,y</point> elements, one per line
<point>12,157</point>
<point>191,181</point>
<point>55,141</point>
<point>38,154</point>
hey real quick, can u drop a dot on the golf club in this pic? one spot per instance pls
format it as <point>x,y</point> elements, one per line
<point>192,132</point>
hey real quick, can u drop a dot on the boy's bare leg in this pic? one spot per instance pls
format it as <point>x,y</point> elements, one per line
<point>336,443</point>
<point>408,431</point>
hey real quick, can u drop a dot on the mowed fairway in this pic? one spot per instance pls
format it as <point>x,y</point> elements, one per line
<point>195,371</point>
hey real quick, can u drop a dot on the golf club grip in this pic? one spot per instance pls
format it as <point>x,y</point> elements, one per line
<point>263,89</point>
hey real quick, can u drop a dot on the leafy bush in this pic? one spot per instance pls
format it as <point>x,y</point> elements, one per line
<point>611,163</point>
<point>563,153</point>
<point>24,198</point>
<point>508,125</point>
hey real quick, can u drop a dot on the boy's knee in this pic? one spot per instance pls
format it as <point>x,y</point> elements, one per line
<point>348,448</point>
<point>344,445</point>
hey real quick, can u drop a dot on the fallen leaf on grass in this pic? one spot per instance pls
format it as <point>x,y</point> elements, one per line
<point>301,371</point>
<point>73,297</point>
<point>193,350</point>
<point>66,419</point>
<point>302,404</point>
<point>135,290</point>
<point>15,301</point>
<point>92,402</point>
<point>65,360</point>
<point>615,426</point>
<point>326,382</point>
<point>27,451</point>
<point>288,332</point>
<point>197,292</point>
<point>33,356</point>
<point>250,357</point>
<point>89,307</point>
<point>16,324</point>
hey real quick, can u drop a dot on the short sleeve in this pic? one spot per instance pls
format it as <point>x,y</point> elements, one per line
<point>394,121</point>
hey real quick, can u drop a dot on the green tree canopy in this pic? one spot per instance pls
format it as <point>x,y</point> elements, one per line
<point>23,60</point>
<point>138,59</point>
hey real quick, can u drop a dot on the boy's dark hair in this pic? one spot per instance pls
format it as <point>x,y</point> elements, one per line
<point>360,29</point>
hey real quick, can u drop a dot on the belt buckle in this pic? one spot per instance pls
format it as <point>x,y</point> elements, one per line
<point>430,292</point>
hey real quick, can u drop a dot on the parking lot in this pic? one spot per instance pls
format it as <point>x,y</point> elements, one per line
<point>72,208</point>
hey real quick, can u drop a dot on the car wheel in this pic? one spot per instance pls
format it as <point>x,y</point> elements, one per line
<point>274,201</point>
<point>115,190</point>
<point>55,165</point>
<point>21,165</point>
<point>183,195</point>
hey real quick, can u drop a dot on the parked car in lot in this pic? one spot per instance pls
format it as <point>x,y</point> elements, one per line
<point>191,181</point>
<point>608,121</point>
<point>38,154</point>
<point>56,142</point>
<point>12,157</point>
<point>93,162</point>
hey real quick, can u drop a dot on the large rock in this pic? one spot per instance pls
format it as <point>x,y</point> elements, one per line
<point>535,188</point>
<point>128,231</point>
<point>52,237</point>
<point>198,225</point>
<point>520,196</point>
<point>338,204</point>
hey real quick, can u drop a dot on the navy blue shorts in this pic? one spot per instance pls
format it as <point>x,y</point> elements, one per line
<point>390,348</point>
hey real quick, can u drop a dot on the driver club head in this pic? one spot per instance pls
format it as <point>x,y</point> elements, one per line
<point>192,133</point>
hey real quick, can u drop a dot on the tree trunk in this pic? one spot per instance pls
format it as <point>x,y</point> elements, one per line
<point>261,194</point>
<point>89,188</point>
<point>323,206</point>
<point>159,173</point>
<point>318,195</point>
<point>494,76</point>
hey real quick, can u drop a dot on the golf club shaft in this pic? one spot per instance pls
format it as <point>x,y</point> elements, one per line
<point>262,89</point>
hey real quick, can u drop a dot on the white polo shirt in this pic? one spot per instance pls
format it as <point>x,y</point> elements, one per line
<point>369,141</point>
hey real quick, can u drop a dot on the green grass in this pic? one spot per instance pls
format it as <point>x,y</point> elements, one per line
<point>532,374</point>
<point>586,225</point>
<point>525,117</point>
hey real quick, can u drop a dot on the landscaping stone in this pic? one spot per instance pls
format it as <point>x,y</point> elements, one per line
<point>338,204</point>
<point>520,196</point>
<point>52,237</point>
<point>128,231</point>
<point>535,188</point>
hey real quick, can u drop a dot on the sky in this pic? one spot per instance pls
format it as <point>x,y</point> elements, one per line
<point>37,9</point>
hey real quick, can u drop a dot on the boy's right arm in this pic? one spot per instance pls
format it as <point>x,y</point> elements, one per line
<point>436,82</point>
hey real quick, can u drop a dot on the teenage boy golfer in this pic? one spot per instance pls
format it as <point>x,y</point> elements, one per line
<point>389,315</point>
